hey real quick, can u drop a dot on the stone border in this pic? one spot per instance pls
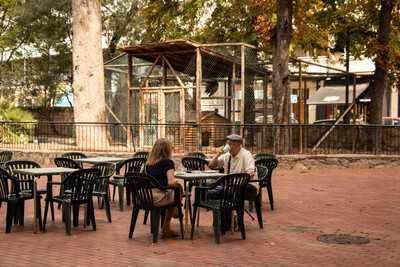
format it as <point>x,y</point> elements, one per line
<point>287,162</point>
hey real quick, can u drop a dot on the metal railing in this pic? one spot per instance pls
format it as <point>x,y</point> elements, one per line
<point>280,139</point>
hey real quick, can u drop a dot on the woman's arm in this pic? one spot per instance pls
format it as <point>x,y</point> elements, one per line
<point>171,177</point>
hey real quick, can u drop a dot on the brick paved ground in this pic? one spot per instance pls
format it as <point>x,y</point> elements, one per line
<point>363,202</point>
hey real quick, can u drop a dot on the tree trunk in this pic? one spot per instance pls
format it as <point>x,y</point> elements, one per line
<point>249,97</point>
<point>380,81</point>
<point>88,83</point>
<point>280,73</point>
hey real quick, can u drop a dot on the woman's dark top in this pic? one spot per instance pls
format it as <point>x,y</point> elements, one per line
<point>159,170</point>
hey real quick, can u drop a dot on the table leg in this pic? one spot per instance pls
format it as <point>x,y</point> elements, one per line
<point>187,236</point>
<point>121,197</point>
<point>50,179</point>
<point>35,215</point>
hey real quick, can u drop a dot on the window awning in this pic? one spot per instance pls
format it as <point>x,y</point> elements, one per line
<point>335,94</point>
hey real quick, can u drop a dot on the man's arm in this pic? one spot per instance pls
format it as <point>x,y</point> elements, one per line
<point>215,163</point>
<point>250,165</point>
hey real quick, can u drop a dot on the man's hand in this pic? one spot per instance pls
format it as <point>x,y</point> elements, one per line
<point>214,161</point>
<point>220,149</point>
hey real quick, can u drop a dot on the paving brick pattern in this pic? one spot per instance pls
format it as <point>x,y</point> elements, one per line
<point>363,202</point>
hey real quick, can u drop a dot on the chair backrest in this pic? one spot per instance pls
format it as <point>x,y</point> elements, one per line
<point>141,185</point>
<point>130,165</point>
<point>262,174</point>
<point>5,156</point>
<point>141,154</point>
<point>197,155</point>
<point>270,164</point>
<point>66,163</point>
<point>194,164</point>
<point>73,155</point>
<point>81,183</point>
<point>27,179</point>
<point>264,155</point>
<point>234,187</point>
<point>106,170</point>
<point>5,182</point>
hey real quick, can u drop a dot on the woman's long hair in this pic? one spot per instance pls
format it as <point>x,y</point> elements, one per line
<point>162,149</point>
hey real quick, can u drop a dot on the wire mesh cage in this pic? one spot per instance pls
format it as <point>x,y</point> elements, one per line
<point>185,83</point>
<point>163,87</point>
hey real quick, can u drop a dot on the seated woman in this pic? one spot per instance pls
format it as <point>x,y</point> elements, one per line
<point>161,167</point>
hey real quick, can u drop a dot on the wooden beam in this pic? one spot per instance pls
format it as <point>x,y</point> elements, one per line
<point>265,98</point>
<point>162,53</point>
<point>129,118</point>
<point>141,100</point>
<point>228,44</point>
<point>115,117</point>
<point>174,73</point>
<point>301,112</point>
<point>332,127</point>
<point>116,70</point>
<point>242,85</point>
<point>165,74</point>
<point>199,77</point>
<point>216,97</point>
<point>233,92</point>
<point>354,99</point>
<point>150,71</point>
<point>158,88</point>
<point>318,65</point>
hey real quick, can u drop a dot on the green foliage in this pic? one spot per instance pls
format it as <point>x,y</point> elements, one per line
<point>35,36</point>
<point>13,130</point>
<point>205,21</point>
<point>35,49</point>
<point>121,23</point>
<point>14,114</point>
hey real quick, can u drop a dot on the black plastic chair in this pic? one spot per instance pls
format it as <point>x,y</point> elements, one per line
<point>141,155</point>
<point>26,186</point>
<point>101,186</point>
<point>82,183</point>
<point>129,165</point>
<point>141,185</point>
<point>262,173</point>
<point>193,164</point>
<point>65,163</point>
<point>264,155</point>
<point>9,195</point>
<point>5,156</point>
<point>74,155</point>
<point>234,186</point>
<point>196,155</point>
<point>270,164</point>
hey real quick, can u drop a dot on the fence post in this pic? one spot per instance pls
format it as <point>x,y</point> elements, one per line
<point>300,139</point>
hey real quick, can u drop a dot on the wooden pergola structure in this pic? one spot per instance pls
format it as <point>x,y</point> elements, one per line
<point>194,60</point>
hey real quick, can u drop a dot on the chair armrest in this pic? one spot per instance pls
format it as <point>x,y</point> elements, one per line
<point>118,176</point>
<point>255,181</point>
<point>54,183</point>
<point>205,187</point>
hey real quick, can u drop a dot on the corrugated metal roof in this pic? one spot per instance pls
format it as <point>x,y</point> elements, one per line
<point>335,94</point>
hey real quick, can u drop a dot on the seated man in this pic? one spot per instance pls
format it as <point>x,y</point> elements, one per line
<point>235,159</point>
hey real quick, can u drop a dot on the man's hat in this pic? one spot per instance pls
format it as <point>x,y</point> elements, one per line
<point>235,138</point>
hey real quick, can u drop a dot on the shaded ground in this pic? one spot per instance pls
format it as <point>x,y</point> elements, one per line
<point>364,202</point>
